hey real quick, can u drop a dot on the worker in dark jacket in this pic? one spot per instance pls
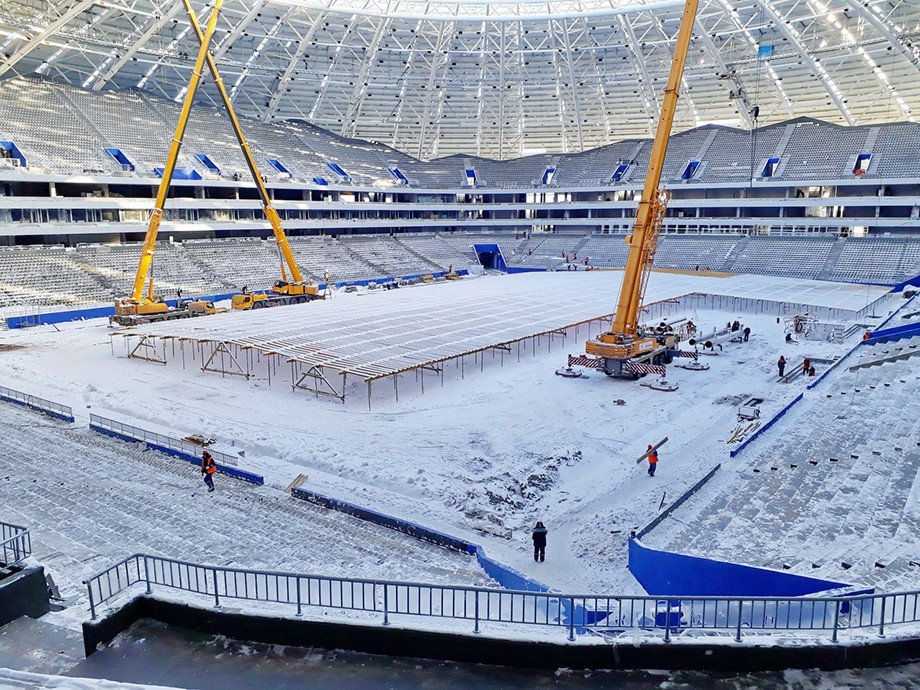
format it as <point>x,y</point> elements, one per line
<point>781,365</point>
<point>208,468</point>
<point>539,542</point>
<point>806,365</point>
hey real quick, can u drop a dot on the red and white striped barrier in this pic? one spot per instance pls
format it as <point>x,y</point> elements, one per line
<point>632,368</point>
<point>585,361</point>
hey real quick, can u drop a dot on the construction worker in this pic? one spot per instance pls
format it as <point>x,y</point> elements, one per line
<point>747,333</point>
<point>539,542</point>
<point>652,460</point>
<point>867,335</point>
<point>781,365</point>
<point>806,365</point>
<point>208,468</point>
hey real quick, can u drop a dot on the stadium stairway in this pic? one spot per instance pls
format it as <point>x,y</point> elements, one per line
<point>433,265</point>
<point>381,271</point>
<point>831,261</point>
<point>733,255</point>
<point>91,500</point>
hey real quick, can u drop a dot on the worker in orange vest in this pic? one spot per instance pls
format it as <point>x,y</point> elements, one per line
<point>652,460</point>
<point>867,335</point>
<point>208,468</point>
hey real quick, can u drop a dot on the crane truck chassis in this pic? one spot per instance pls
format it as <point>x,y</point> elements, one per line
<point>281,293</point>
<point>127,313</point>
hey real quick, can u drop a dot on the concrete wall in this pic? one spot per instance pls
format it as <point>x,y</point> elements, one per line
<point>23,594</point>
<point>551,654</point>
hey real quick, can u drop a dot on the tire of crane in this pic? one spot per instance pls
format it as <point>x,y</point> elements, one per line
<point>257,305</point>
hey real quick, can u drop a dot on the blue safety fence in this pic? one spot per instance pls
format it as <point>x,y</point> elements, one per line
<point>190,452</point>
<point>33,402</point>
<point>775,418</point>
<point>419,532</point>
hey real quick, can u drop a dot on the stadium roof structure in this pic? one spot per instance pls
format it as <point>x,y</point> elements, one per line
<point>496,78</point>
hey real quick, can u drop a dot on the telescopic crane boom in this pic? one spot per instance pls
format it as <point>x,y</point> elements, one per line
<point>137,304</point>
<point>294,289</point>
<point>625,343</point>
<point>296,284</point>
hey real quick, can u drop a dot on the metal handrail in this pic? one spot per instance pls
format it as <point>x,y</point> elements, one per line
<point>572,612</point>
<point>36,402</point>
<point>188,449</point>
<point>15,544</point>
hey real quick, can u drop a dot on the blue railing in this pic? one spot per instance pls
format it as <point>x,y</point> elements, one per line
<point>42,405</point>
<point>15,544</point>
<point>191,452</point>
<point>735,616</point>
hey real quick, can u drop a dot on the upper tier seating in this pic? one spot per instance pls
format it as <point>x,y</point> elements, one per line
<point>64,129</point>
<point>52,138</point>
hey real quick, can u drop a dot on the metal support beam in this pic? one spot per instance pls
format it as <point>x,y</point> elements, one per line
<point>288,73</point>
<point>39,38</point>
<point>124,57</point>
<point>822,75</point>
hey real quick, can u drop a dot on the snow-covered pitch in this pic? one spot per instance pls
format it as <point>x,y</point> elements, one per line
<point>482,456</point>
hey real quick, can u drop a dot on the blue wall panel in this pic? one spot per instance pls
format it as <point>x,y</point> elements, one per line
<point>676,574</point>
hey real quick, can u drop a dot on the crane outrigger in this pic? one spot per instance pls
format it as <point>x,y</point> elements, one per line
<point>627,344</point>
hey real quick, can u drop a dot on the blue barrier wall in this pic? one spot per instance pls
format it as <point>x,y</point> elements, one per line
<point>523,269</point>
<point>910,282</point>
<point>766,426</point>
<point>679,502</point>
<point>664,573</point>
<point>507,577</point>
<point>384,520</point>
<point>53,317</point>
<point>896,333</point>
<point>234,472</point>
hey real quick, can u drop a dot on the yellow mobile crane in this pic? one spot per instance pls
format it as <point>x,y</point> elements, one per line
<point>284,291</point>
<point>627,344</point>
<point>138,308</point>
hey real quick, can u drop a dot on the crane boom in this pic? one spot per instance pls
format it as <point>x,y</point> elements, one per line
<point>270,212</point>
<point>625,343</point>
<point>153,226</point>
<point>638,264</point>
